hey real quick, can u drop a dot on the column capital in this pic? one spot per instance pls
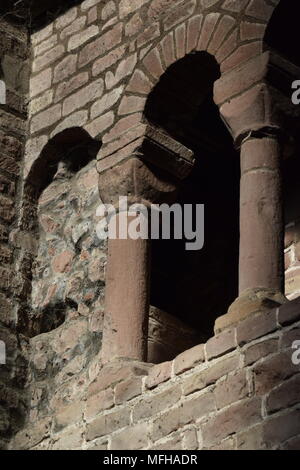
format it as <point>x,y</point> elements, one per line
<point>149,168</point>
<point>257,95</point>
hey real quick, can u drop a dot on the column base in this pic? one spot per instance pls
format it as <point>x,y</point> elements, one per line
<point>250,302</point>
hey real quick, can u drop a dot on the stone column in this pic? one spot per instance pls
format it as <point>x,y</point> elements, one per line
<point>147,171</point>
<point>127,297</point>
<point>261,216</point>
<point>261,268</point>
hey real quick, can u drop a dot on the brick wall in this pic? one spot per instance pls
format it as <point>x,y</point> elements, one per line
<point>240,390</point>
<point>93,68</point>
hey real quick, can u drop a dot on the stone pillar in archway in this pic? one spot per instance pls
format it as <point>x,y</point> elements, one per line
<point>256,130</point>
<point>147,172</point>
<point>261,217</point>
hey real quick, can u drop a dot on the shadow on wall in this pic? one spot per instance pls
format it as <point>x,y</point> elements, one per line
<point>197,287</point>
<point>60,200</point>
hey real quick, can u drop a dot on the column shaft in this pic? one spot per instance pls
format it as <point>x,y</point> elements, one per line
<point>261,218</point>
<point>127,299</point>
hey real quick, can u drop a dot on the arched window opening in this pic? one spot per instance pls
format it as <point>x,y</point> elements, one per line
<point>198,286</point>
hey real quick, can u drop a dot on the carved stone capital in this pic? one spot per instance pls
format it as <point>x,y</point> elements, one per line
<point>257,95</point>
<point>149,169</point>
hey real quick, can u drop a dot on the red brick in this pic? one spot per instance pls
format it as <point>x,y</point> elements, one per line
<point>48,58</point>
<point>188,412</point>
<point>45,45</point>
<point>292,444</point>
<point>65,68</point>
<point>128,6</point>
<point>273,371</point>
<point>251,439</point>
<point>158,7</point>
<point>189,359</point>
<point>45,118</point>
<point>260,350</point>
<point>229,45</point>
<point>114,159</point>
<point>220,344</point>
<point>259,9</point>
<point>82,97</point>
<point>133,438</point>
<point>226,444</point>
<point>74,27</point>
<point>108,60</point>
<point>210,375</point>
<point>242,54</point>
<point>122,126</point>
<point>124,68</point>
<point>256,326</point>
<point>193,31</point>
<point>92,15</point>
<point>40,82</point>
<point>180,13</point>
<point>289,313</point>
<point>281,428</point>
<point>114,373</point>
<point>108,10</point>
<point>223,28</point>
<point>70,414</point>
<point>289,337</point>
<point>231,420</point>
<point>95,404</point>
<point>180,41</point>
<point>252,30</point>
<point>128,389</point>
<point>285,395</point>
<point>159,374</point>
<point>207,30</point>
<point>149,34</point>
<point>233,5</point>
<point>108,151</point>
<point>101,45</point>
<point>106,102</point>
<point>208,3</point>
<point>66,19</point>
<point>106,424</point>
<point>235,82</point>
<point>69,86</point>
<point>134,25</point>
<point>174,443</point>
<point>139,83</point>
<point>168,49</point>
<point>70,439</point>
<point>156,403</point>
<point>153,63</point>
<point>233,388</point>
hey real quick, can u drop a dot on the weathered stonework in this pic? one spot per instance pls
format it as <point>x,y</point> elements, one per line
<point>93,72</point>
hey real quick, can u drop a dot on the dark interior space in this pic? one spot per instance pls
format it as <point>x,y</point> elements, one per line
<point>34,14</point>
<point>282,33</point>
<point>198,286</point>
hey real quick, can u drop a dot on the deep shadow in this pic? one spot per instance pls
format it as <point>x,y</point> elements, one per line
<point>282,33</point>
<point>198,286</point>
